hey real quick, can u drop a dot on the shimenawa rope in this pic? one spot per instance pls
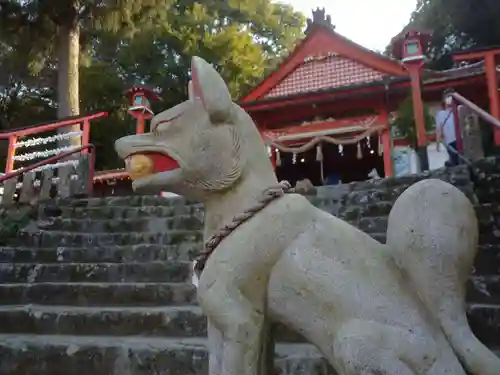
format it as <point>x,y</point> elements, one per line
<point>269,195</point>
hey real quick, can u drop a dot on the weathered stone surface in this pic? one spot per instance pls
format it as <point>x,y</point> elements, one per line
<point>167,321</point>
<point>98,294</point>
<point>76,239</point>
<point>62,355</point>
<point>174,271</point>
<point>179,222</point>
<point>487,261</point>
<point>185,321</point>
<point>484,289</point>
<point>123,212</point>
<point>485,323</point>
<point>109,254</point>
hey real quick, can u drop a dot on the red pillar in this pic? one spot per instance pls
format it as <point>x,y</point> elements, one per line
<point>492,81</point>
<point>139,129</point>
<point>86,134</point>
<point>418,107</point>
<point>385,138</point>
<point>9,165</point>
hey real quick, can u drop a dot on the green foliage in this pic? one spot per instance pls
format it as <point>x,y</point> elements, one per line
<point>457,24</point>
<point>128,42</point>
<point>13,219</point>
<point>404,122</point>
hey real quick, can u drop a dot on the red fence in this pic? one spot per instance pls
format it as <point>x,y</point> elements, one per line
<point>14,135</point>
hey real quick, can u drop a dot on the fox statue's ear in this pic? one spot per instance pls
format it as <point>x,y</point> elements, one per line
<point>210,88</point>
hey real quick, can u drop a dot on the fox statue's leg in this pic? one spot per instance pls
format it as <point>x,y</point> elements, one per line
<point>433,231</point>
<point>215,346</point>
<point>381,349</point>
<point>240,323</point>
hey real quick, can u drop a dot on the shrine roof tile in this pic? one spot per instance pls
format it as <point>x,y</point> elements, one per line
<point>324,72</point>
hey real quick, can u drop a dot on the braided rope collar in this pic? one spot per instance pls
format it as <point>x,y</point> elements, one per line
<point>211,244</point>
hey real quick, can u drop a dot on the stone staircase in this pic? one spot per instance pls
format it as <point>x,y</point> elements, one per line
<point>103,286</point>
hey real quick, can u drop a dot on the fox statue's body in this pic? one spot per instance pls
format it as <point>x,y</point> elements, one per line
<point>371,309</point>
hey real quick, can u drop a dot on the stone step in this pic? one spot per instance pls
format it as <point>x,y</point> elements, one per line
<point>484,289</point>
<point>109,254</point>
<point>353,213</point>
<point>173,271</point>
<point>49,238</point>
<point>485,323</point>
<point>56,239</point>
<point>98,294</point>
<point>488,188</point>
<point>61,355</point>
<point>364,203</point>
<point>126,212</point>
<point>129,201</point>
<point>166,321</point>
<point>180,222</point>
<point>487,262</point>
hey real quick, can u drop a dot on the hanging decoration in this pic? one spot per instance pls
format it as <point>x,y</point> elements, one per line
<point>359,153</point>
<point>44,140</point>
<point>341,150</point>
<point>331,140</point>
<point>294,158</point>
<point>368,142</point>
<point>43,154</point>
<point>319,153</point>
<point>278,157</point>
<point>74,163</point>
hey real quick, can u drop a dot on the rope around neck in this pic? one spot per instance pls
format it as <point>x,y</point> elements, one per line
<point>269,195</point>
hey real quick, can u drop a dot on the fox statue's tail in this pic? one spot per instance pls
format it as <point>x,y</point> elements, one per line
<point>433,232</point>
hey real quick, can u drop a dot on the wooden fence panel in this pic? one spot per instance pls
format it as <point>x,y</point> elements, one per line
<point>9,190</point>
<point>46,184</point>
<point>72,181</point>
<point>81,186</point>
<point>64,183</point>
<point>28,191</point>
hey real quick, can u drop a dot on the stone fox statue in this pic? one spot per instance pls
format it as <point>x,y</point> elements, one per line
<point>394,309</point>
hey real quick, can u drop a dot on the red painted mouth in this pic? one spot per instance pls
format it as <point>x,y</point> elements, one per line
<point>143,164</point>
<point>162,162</point>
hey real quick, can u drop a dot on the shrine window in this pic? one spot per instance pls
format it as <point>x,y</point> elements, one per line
<point>412,48</point>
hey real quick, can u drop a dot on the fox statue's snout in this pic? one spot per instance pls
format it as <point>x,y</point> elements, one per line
<point>195,148</point>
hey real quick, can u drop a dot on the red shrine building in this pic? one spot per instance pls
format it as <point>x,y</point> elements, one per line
<point>325,112</point>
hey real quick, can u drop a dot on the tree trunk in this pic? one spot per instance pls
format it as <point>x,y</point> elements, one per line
<point>68,78</point>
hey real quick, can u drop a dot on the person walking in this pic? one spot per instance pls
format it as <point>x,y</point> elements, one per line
<point>445,131</point>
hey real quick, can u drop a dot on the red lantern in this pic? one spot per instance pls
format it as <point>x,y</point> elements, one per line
<point>411,46</point>
<point>140,99</point>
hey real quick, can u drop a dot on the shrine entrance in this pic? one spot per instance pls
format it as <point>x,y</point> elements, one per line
<point>333,164</point>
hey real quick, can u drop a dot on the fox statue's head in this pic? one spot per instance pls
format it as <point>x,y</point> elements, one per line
<point>203,146</point>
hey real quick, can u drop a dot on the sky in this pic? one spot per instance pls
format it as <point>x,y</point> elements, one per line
<point>371,23</point>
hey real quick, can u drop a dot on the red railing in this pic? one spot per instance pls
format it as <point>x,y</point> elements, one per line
<point>14,135</point>
<point>458,99</point>
<point>52,159</point>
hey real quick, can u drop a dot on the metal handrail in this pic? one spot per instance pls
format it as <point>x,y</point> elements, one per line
<point>89,147</point>
<point>449,148</point>
<point>476,109</point>
<point>35,129</point>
